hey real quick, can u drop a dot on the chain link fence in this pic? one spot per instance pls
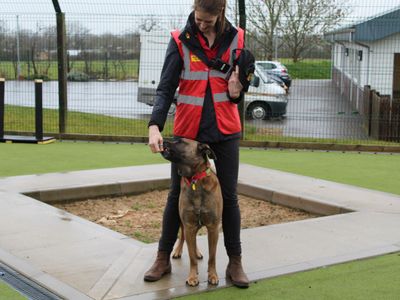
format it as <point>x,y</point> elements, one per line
<point>115,49</point>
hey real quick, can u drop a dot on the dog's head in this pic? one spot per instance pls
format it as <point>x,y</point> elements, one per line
<point>190,156</point>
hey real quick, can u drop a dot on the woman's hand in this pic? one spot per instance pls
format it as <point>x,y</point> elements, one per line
<point>155,139</point>
<point>234,85</point>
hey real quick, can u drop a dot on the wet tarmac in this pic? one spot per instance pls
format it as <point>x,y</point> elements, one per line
<point>315,109</point>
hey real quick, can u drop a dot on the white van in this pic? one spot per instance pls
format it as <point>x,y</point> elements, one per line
<point>263,101</point>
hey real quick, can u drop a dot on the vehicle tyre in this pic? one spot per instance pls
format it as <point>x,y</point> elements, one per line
<point>259,111</point>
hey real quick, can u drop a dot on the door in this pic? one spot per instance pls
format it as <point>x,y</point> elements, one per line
<point>396,76</point>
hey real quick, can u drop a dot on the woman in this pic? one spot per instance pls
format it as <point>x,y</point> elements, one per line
<point>206,111</point>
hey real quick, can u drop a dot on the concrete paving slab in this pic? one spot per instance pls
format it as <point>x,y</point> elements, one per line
<point>82,260</point>
<point>74,179</point>
<point>350,197</point>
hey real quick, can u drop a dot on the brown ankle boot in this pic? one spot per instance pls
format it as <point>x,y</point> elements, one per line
<point>234,272</point>
<point>161,266</point>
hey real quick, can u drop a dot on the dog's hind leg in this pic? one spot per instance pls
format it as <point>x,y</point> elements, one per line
<point>212,252</point>
<point>177,253</point>
<point>178,250</point>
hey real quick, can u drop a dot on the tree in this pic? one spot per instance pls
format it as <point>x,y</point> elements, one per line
<point>264,18</point>
<point>305,21</point>
<point>78,37</point>
<point>149,24</point>
<point>49,44</point>
<point>2,42</point>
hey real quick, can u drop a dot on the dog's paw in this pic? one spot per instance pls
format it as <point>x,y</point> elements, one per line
<point>176,255</point>
<point>213,279</point>
<point>192,281</point>
<point>199,255</point>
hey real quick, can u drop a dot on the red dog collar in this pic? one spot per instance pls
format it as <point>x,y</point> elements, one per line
<point>191,181</point>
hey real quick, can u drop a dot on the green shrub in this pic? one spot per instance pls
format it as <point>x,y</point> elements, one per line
<point>77,76</point>
<point>37,76</point>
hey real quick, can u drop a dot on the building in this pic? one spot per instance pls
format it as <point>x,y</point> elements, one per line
<point>367,53</point>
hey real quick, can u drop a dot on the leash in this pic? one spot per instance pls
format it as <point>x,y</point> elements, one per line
<point>191,181</point>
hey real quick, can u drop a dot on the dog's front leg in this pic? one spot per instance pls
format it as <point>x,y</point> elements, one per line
<point>190,236</point>
<point>212,250</point>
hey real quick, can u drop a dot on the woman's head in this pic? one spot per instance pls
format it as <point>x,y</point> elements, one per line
<point>210,15</point>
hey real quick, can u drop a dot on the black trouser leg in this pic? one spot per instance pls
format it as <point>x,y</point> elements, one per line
<point>227,165</point>
<point>171,219</point>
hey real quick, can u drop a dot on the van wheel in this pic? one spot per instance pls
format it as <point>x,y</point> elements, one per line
<point>258,111</point>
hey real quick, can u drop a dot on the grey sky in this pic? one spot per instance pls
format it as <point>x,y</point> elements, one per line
<point>124,15</point>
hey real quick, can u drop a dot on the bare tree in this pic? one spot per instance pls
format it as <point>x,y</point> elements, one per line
<point>2,34</point>
<point>78,36</point>
<point>304,22</point>
<point>264,17</point>
<point>49,36</point>
<point>2,42</point>
<point>150,24</point>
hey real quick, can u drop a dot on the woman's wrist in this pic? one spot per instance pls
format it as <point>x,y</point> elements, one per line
<point>234,95</point>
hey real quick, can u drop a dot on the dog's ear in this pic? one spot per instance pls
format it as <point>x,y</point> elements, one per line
<point>206,151</point>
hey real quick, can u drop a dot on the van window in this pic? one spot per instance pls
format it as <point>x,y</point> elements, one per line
<point>266,66</point>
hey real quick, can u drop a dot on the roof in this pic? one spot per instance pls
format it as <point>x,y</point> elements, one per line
<point>368,30</point>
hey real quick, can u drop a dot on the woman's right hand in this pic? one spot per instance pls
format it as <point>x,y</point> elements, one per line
<point>155,139</point>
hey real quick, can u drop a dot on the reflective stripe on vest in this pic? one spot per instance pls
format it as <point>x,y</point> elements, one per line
<point>221,97</point>
<point>186,73</point>
<point>190,100</point>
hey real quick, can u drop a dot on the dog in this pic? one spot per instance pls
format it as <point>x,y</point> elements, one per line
<point>200,200</point>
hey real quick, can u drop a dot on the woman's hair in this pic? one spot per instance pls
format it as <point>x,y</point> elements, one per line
<point>215,8</point>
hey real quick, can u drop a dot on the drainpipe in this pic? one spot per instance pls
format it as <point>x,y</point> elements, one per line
<point>341,69</point>
<point>368,60</point>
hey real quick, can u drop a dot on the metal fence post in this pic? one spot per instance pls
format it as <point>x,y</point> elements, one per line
<point>2,83</point>
<point>39,109</point>
<point>242,24</point>
<point>62,68</point>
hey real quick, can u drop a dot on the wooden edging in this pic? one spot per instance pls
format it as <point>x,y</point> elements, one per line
<point>250,144</point>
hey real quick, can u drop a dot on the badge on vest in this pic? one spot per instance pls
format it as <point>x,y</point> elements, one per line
<point>194,58</point>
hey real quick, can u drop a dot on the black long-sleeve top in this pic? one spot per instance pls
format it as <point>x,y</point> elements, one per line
<point>169,81</point>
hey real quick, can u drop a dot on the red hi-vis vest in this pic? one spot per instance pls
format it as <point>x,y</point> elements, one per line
<point>192,91</point>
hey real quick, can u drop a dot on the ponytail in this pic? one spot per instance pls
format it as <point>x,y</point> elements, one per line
<point>221,20</point>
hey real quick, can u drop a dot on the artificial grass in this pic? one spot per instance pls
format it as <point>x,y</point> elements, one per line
<point>369,279</point>
<point>22,159</point>
<point>7,293</point>
<point>374,171</point>
<point>376,278</point>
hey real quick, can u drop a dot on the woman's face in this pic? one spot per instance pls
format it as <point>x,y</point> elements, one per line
<point>204,21</point>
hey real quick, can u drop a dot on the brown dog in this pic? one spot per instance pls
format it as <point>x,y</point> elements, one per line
<point>200,200</point>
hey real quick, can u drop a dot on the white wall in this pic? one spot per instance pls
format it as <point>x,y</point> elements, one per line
<point>382,61</point>
<point>375,68</point>
<point>351,64</point>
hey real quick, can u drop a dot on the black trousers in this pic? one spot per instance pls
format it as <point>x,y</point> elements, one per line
<point>227,166</point>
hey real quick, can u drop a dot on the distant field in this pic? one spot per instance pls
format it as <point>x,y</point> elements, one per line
<point>128,69</point>
<point>117,69</point>
<point>19,118</point>
<point>308,68</point>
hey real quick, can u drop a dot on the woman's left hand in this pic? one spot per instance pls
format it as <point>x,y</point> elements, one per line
<point>234,85</point>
